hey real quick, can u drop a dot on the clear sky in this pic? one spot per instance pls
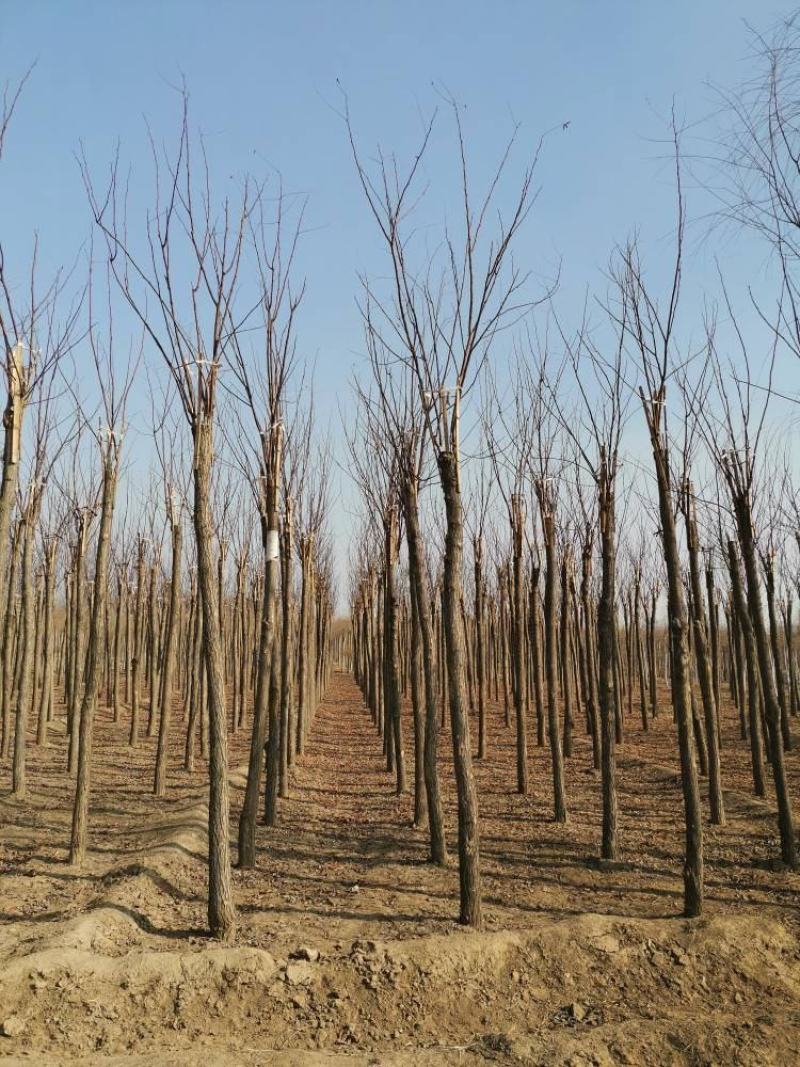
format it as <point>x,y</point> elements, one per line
<point>263,83</point>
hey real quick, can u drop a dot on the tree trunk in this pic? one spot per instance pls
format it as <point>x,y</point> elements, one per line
<point>249,813</point>
<point>391,682</point>
<point>19,778</point>
<point>772,709</point>
<point>197,670</point>
<point>418,578</point>
<point>777,656</point>
<point>159,784</point>
<point>704,664</point>
<point>420,795</point>
<point>302,659</point>
<point>564,644</point>
<point>8,640</point>
<point>221,911</point>
<point>551,651</point>
<point>468,827</point>
<point>153,649</point>
<point>12,425</point>
<point>46,694</point>
<point>480,647</point>
<point>681,682</point>
<point>78,659</point>
<point>605,640</point>
<point>116,682</point>
<point>519,655</point>
<point>273,740</point>
<point>287,668</point>
<point>136,660</point>
<point>85,726</point>
<point>534,639</point>
<point>745,628</point>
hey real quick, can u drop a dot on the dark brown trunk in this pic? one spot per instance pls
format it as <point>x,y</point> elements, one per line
<point>518,652</point>
<point>681,681</point>
<point>422,601</point>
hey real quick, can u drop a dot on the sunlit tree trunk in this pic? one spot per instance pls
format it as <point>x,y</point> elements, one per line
<point>221,911</point>
<point>9,637</point>
<point>12,426</point>
<point>287,653</point>
<point>167,674</point>
<point>391,680</point>
<point>78,658</point>
<point>468,827</point>
<point>27,623</point>
<point>480,647</point>
<point>48,651</point>
<point>136,658</point>
<point>267,665</point>
<point>85,726</point>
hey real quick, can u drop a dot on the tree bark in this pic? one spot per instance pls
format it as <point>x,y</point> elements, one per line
<point>167,674</point>
<point>221,911</point>
<point>704,664</point>
<point>681,682</point>
<point>136,659</point>
<point>468,827</point>
<point>85,726</point>
<point>480,647</point>
<point>46,694</point>
<point>422,600</point>
<point>605,638</point>
<point>519,654</point>
<point>19,776</point>
<point>391,681</point>
<point>744,525</point>
<point>551,651</point>
<point>249,813</point>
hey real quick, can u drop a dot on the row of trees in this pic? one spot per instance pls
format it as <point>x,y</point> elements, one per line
<point>558,601</point>
<point>99,605</point>
<point>558,411</point>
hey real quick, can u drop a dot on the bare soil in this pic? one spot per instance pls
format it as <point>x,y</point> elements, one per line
<point>347,950</point>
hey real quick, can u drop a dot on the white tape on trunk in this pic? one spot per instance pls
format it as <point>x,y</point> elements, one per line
<point>273,545</point>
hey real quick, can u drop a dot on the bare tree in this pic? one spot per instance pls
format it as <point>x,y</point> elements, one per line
<point>544,463</point>
<point>596,430</point>
<point>174,503</point>
<point>262,382</point>
<point>734,437</point>
<point>47,446</point>
<point>440,325</point>
<point>649,329</point>
<point>190,320</point>
<point>511,461</point>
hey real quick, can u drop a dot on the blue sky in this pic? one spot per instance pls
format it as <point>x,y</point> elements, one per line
<point>263,83</point>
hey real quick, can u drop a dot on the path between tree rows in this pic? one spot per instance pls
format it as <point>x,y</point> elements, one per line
<point>113,959</point>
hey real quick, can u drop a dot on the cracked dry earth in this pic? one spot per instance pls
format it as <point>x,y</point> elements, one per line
<point>347,952</point>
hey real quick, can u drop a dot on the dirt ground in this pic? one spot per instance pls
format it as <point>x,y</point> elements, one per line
<point>347,950</point>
